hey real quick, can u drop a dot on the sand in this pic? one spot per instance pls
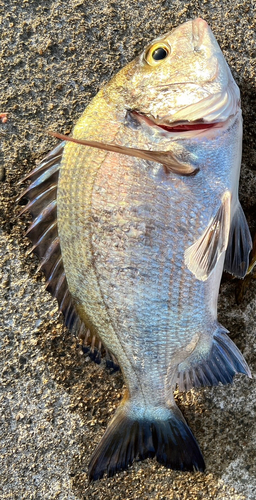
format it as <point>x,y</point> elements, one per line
<point>55,403</point>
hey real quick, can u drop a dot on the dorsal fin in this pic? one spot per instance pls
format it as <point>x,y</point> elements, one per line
<point>43,232</point>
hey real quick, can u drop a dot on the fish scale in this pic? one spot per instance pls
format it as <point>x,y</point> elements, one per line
<point>153,266</point>
<point>148,214</point>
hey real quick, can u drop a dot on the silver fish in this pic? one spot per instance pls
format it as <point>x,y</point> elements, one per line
<point>136,250</point>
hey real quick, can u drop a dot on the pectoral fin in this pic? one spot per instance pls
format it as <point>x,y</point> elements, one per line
<point>203,255</point>
<point>239,245</point>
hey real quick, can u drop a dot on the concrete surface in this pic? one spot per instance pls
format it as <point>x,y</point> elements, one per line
<point>55,403</point>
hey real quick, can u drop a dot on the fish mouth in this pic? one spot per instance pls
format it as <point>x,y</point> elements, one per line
<point>174,127</point>
<point>188,127</point>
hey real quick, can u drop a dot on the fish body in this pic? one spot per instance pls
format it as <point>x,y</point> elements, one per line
<point>138,249</point>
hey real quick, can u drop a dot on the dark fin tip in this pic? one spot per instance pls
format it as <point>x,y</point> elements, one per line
<point>126,440</point>
<point>239,245</point>
<point>111,362</point>
<point>95,355</point>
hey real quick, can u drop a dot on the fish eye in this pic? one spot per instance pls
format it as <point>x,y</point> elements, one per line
<point>159,53</point>
<point>156,53</point>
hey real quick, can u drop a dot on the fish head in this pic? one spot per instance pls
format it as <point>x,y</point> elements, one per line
<point>181,78</point>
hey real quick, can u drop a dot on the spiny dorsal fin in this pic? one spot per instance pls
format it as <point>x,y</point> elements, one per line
<point>43,232</point>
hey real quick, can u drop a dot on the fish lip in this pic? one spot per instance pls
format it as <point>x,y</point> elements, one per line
<point>173,127</point>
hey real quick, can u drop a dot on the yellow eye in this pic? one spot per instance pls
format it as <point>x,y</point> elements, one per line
<point>157,52</point>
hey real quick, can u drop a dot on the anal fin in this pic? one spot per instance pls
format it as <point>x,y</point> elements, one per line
<point>218,362</point>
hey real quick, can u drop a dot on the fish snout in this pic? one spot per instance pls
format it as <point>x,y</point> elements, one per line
<point>199,29</point>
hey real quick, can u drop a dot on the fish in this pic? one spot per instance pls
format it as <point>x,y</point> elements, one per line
<point>134,217</point>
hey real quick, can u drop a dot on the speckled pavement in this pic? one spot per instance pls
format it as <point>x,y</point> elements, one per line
<point>54,402</point>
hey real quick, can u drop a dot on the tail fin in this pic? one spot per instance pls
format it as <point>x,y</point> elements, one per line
<point>127,439</point>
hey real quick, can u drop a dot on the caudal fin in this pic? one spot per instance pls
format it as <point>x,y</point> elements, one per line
<point>126,439</point>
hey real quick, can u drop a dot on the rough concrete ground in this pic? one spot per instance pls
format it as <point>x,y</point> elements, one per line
<point>55,404</point>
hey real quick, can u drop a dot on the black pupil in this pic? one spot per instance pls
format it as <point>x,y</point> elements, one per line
<point>159,54</point>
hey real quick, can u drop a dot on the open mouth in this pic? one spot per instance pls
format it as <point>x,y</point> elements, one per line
<point>184,126</point>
